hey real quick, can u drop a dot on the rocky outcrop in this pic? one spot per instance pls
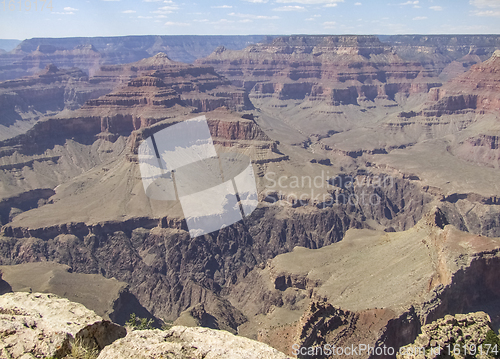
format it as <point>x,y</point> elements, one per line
<point>460,335</point>
<point>44,325</point>
<point>108,298</point>
<point>182,342</point>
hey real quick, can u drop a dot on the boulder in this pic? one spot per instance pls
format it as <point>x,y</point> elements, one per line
<point>45,325</point>
<point>450,333</point>
<point>183,343</point>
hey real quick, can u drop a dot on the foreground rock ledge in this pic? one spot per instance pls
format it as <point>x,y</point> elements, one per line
<point>443,335</point>
<point>184,343</point>
<point>35,325</point>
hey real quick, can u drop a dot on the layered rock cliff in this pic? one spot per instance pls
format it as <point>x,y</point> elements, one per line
<point>24,101</point>
<point>336,69</point>
<point>89,53</point>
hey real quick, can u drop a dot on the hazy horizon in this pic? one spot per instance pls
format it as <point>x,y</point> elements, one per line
<point>70,18</point>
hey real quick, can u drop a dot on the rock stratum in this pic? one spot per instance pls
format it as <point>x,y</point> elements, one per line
<point>338,69</point>
<point>27,100</point>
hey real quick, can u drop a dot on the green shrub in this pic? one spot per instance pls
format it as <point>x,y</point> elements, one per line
<point>167,325</point>
<point>137,323</point>
<point>493,340</point>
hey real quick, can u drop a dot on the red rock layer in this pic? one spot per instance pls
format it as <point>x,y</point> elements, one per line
<point>478,89</point>
<point>338,69</point>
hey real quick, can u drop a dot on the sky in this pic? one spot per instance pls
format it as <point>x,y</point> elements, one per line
<point>67,18</point>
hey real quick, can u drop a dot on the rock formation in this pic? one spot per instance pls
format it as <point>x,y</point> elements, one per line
<point>108,298</point>
<point>182,342</point>
<point>337,69</point>
<point>461,335</point>
<point>24,101</point>
<point>348,292</point>
<point>44,325</point>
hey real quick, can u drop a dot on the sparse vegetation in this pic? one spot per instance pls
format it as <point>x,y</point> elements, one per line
<point>494,342</point>
<point>80,351</point>
<point>167,325</point>
<point>137,323</point>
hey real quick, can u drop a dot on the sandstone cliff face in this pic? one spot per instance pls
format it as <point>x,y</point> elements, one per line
<point>45,325</point>
<point>335,69</point>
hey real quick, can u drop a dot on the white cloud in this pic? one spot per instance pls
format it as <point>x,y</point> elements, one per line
<point>129,12</point>
<point>329,24</point>
<point>222,21</point>
<point>489,13</point>
<point>255,17</point>
<point>144,17</point>
<point>410,3</point>
<point>257,1</point>
<point>166,9</point>
<point>331,5</point>
<point>290,8</point>
<point>420,18</point>
<point>222,7</point>
<point>67,11</point>
<point>202,20</point>
<point>436,8</point>
<point>358,4</point>
<point>169,8</point>
<point>110,0</point>
<point>485,3</point>
<point>171,23</point>
<point>310,2</point>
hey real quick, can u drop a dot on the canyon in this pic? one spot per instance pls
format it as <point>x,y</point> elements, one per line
<point>408,123</point>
